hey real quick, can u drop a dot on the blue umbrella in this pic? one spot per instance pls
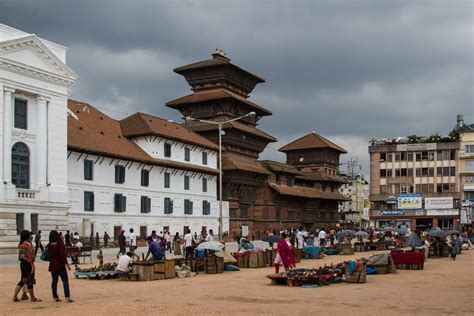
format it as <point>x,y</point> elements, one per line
<point>271,238</point>
<point>414,240</point>
<point>401,231</point>
<point>362,234</point>
<point>452,232</point>
<point>437,233</point>
<point>389,229</point>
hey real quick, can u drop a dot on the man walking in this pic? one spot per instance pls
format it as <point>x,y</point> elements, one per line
<point>38,242</point>
<point>322,238</point>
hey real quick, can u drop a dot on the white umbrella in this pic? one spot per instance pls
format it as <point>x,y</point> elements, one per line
<point>211,245</point>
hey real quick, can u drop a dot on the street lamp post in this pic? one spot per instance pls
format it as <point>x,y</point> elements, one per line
<point>220,127</point>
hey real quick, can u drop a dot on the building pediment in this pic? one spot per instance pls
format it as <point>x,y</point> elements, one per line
<point>28,55</point>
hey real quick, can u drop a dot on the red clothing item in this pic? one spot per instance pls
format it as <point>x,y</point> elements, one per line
<point>285,254</point>
<point>58,260</point>
<point>407,257</point>
<point>26,252</point>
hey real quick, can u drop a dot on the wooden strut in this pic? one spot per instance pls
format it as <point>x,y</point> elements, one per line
<point>163,170</point>
<point>103,158</point>
<point>113,159</point>
<point>96,160</point>
<point>69,154</point>
<point>151,168</point>
<point>79,157</point>
<point>154,139</point>
<point>126,165</point>
<point>139,166</point>
<point>131,165</point>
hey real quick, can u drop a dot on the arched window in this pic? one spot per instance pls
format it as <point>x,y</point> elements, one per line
<point>21,166</point>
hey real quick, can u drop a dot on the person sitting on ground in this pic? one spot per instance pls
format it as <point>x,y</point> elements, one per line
<point>155,250</point>
<point>124,263</point>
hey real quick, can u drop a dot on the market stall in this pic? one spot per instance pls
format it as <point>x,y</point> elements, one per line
<point>408,260</point>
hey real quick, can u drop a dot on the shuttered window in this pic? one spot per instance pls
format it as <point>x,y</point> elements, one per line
<point>168,206</point>
<point>120,203</point>
<point>145,179</point>
<point>88,170</point>
<point>119,174</point>
<point>188,207</point>
<point>88,201</point>
<point>145,204</point>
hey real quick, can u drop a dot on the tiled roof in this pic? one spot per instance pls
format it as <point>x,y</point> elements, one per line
<point>216,95</point>
<point>236,164</point>
<point>213,63</point>
<point>237,125</point>
<point>141,124</point>
<point>321,177</point>
<point>308,193</point>
<point>311,141</point>
<point>279,167</point>
<point>96,133</point>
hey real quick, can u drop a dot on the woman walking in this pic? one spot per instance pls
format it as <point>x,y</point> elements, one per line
<point>26,255</point>
<point>177,245</point>
<point>57,265</point>
<point>284,256</point>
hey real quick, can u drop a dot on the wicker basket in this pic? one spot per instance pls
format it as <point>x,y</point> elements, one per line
<point>347,249</point>
<point>214,264</point>
<point>357,277</point>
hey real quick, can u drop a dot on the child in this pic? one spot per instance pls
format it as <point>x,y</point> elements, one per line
<point>100,256</point>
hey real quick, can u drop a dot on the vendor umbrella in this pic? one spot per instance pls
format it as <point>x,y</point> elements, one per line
<point>453,232</point>
<point>346,233</point>
<point>362,234</point>
<point>211,245</point>
<point>401,231</point>
<point>271,238</point>
<point>437,233</point>
<point>414,240</point>
<point>389,229</point>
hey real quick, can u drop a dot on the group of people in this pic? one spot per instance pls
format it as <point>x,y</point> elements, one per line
<point>300,237</point>
<point>158,246</point>
<point>58,266</point>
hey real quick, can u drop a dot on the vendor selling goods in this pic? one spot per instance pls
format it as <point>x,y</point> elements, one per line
<point>284,256</point>
<point>155,250</point>
<point>124,263</point>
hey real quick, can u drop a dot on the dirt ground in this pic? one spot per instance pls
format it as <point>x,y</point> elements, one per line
<point>443,287</point>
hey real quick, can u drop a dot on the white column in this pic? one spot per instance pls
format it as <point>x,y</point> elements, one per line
<point>41,141</point>
<point>7,133</point>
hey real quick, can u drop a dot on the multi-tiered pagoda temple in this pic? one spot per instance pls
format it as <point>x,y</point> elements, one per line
<point>261,194</point>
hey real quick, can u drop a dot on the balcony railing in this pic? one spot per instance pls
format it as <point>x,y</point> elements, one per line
<point>26,194</point>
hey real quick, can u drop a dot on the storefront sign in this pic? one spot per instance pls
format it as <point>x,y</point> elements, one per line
<point>392,212</point>
<point>466,214</point>
<point>419,213</point>
<point>409,201</point>
<point>416,147</point>
<point>467,203</point>
<point>438,203</point>
<point>451,212</point>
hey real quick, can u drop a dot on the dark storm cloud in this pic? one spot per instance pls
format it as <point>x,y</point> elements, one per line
<point>351,70</point>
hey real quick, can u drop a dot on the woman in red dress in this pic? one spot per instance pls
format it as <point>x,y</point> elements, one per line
<point>284,254</point>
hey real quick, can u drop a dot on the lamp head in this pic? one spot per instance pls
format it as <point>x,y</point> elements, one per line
<point>252,114</point>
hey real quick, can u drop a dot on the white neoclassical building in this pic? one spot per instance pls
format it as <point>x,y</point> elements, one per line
<point>34,81</point>
<point>141,172</point>
<point>67,166</point>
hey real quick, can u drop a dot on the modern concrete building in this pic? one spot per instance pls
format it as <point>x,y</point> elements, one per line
<point>415,183</point>
<point>466,167</point>
<point>353,211</point>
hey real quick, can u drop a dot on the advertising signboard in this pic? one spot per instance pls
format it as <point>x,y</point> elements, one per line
<point>442,212</point>
<point>438,203</point>
<point>409,201</point>
<point>392,212</point>
<point>416,147</point>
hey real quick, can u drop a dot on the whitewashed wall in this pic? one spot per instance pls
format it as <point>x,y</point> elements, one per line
<point>104,187</point>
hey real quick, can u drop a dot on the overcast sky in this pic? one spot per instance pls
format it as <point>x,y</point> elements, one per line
<point>350,70</point>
